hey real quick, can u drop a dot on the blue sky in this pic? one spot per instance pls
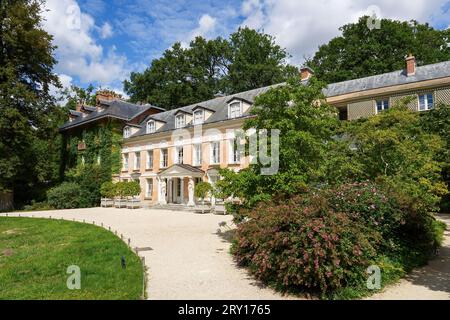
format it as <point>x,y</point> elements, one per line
<point>101,42</point>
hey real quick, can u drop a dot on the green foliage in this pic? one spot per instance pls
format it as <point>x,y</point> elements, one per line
<point>132,188</point>
<point>183,76</point>
<point>306,133</point>
<point>202,189</point>
<point>38,206</point>
<point>304,244</point>
<point>108,190</point>
<point>65,196</point>
<point>29,148</point>
<point>361,52</point>
<point>394,149</point>
<point>437,121</point>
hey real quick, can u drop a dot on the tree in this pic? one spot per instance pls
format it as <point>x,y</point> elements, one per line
<point>361,52</point>
<point>306,131</point>
<point>28,115</point>
<point>184,76</point>
<point>255,61</point>
<point>437,121</point>
<point>395,150</point>
<point>202,189</point>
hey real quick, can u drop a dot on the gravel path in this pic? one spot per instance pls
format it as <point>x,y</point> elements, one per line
<point>431,282</point>
<point>188,260</point>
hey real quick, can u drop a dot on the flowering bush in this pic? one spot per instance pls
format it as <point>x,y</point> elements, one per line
<point>326,239</point>
<point>305,244</point>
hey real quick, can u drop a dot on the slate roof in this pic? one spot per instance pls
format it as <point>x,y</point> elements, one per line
<point>116,109</point>
<point>127,111</point>
<point>218,105</point>
<point>423,73</point>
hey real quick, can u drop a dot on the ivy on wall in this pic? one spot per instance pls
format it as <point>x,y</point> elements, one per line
<point>96,163</point>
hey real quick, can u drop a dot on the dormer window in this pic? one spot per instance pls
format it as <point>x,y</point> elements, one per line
<point>199,116</point>
<point>180,121</point>
<point>235,110</point>
<point>126,132</point>
<point>151,126</point>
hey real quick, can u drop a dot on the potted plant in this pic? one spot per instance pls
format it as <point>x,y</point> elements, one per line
<point>120,191</point>
<point>202,190</point>
<point>108,192</point>
<point>132,191</point>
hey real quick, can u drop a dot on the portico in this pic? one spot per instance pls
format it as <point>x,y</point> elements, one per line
<point>176,184</point>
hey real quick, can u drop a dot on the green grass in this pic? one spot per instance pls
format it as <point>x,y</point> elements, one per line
<point>35,255</point>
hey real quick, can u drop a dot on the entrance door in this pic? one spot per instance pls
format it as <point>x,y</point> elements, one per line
<point>177,190</point>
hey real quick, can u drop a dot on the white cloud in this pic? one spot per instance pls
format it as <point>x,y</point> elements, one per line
<point>66,83</point>
<point>106,31</point>
<point>78,53</point>
<point>206,25</point>
<point>301,26</point>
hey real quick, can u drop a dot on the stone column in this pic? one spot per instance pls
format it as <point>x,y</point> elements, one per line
<point>162,190</point>
<point>191,186</point>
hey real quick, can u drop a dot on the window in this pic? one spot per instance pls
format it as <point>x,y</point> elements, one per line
<point>235,152</point>
<point>234,110</point>
<point>197,155</point>
<point>215,152</point>
<point>149,188</point>
<point>199,117</point>
<point>426,101</point>
<point>180,121</point>
<point>126,132</point>
<point>151,127</point>
<point>125,161</point>
<point>164,160</point>
<point>137,161</point>
<point>179,155</point>
<point>149,164</point>
<point>382,105</point>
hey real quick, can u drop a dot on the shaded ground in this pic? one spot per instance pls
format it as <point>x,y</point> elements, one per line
<point>431,282</point>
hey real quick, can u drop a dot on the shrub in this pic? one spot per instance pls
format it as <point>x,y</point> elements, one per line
<point>202,189</point>
<point>65,196</point>
<point>325,239</point>
<point>37,206</point>
<point>305,244</point>
<point>108,190</point>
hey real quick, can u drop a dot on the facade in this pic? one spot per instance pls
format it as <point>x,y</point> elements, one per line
<point>168,152</point>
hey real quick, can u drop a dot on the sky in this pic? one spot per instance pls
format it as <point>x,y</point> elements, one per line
<point>101,42</point>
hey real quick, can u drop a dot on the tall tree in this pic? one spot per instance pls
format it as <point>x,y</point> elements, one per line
<point>255,61</point>
<point>361,52</point>
<point>183,76</point>
<point>28,114</point>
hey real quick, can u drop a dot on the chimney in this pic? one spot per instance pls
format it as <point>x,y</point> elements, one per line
<point>105,95</point>
<point>78,107</point>
<point>306,73</point>
<point>410,65</point>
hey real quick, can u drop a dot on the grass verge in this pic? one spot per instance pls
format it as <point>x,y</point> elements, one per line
<point>35,255</point>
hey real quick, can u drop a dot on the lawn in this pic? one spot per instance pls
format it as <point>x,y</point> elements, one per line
<point>35,255</point>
